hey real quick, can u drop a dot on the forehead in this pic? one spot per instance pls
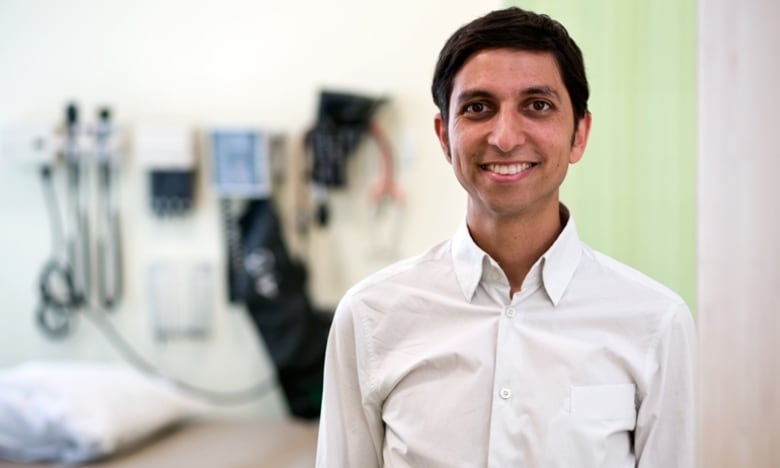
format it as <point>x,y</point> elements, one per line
<point>508,70</point>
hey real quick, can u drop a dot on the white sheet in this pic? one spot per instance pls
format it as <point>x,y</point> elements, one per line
<point>75,412</point>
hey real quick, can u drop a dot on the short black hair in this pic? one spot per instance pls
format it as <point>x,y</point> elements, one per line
<point>512,28</point>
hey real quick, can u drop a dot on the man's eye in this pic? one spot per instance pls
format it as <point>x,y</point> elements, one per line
<point>475,108</point>
<point>540,106</point>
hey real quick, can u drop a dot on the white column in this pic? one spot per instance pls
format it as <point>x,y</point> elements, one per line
<point>739,233</point>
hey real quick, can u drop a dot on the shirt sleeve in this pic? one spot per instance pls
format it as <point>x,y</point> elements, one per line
<point>350,427</point>
<point>665,431</point>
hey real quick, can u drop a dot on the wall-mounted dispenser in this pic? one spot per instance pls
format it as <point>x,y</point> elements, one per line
<point>168,154</point>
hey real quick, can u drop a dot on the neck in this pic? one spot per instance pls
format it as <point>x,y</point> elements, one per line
<point>516,243</point>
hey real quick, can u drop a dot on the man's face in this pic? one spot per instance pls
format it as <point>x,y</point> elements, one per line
<point>511,133</point>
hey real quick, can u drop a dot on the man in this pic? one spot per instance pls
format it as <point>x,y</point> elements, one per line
<point>513,344</point>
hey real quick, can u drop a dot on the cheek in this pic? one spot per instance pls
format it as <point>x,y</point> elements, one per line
<point>458,163</point>
<point>462,164</point>
<point>557,146</point>
<point>463,139</point>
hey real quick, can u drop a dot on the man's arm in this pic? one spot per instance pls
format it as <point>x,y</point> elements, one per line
<point>665,431</point>
<point>351,429</point>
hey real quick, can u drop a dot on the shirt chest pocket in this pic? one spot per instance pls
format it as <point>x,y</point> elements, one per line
<point>594,428</point>
<point>604,402</point>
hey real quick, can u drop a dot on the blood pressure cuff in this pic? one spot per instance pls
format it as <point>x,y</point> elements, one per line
<point>274,292</point>
<point>342,121</point>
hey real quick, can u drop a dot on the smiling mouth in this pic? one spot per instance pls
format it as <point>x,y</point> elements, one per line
<point>507,169</point>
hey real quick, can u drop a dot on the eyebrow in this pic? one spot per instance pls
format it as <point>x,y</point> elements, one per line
<point>530,91</point>
<point>541,91</point>
<point>470,94</point>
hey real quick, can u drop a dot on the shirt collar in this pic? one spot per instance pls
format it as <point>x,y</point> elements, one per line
<point>468,260</point>
<point>557,264</point>
<point>561,259</point>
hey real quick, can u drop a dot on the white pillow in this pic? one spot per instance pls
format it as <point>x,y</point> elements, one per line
<point>74,412</point>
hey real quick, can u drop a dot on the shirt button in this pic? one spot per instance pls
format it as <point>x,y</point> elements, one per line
<point>505,393</point>
<point>510,312</point>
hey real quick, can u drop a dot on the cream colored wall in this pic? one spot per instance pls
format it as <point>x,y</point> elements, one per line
<point>205,62</point>
<point>738,232</point>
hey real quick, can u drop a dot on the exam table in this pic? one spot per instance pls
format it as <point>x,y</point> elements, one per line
<point>283,443</point>
<point>105,415</point>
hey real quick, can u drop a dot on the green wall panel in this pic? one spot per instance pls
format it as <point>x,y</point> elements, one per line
<point>633,193</point>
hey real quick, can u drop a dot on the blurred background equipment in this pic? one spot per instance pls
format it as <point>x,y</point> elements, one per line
<point>66,281</point>
<point>108,272</point>
<point>261,273</point>
<point>84,274</point>
<point>343,120</point>
<point>168,154</point>
<point>181,298</point>
<point>243,160</point>
<point>273,285</point>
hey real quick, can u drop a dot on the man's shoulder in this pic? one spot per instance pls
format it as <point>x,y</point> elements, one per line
<point>410,271</point>
<point>627,280</point>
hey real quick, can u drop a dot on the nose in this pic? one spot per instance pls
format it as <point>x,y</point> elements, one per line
<point>507,132</point>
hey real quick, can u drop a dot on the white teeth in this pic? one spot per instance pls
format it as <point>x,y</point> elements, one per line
<point>508,169</point>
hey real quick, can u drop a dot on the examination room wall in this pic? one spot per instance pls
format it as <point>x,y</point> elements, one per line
<point>197,64</point>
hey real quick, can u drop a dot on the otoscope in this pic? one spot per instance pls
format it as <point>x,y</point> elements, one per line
<point>78,242</point>
<point>63,279</point>
<point>108,260</point>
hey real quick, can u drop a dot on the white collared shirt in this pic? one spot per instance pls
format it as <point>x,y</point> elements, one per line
<point>430,364</point>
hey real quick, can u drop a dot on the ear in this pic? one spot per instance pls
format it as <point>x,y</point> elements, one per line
<point>441,132</point>
<point>580,138</point>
